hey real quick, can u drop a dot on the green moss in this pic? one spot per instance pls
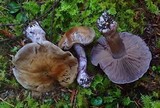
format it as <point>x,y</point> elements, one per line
<point>56,21</point>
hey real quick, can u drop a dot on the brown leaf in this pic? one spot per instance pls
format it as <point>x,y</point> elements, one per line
<point>6,33</point>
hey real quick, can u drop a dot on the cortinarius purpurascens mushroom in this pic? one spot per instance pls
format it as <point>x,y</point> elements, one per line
<point>124,57</point>
<point>77,37</point>
<point>39,65</point>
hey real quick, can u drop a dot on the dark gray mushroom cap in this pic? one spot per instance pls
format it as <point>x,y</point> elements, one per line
<point>128,68</point>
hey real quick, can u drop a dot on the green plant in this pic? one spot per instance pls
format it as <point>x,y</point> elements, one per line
<point>101,93</point>
<point>3,68</point>
<point>100,82</point>
<point>158,43</point>
<point>152,7</point>
<point>81,100</point>
<point>96,101</point>
<point>4,74</point>
<point>156,68</point>
<point>4,105</point>
<point>14,49</point>
<point>27,102</point>
<point>64,102</point>
<point>148,102</point>
<point>68,14</point>
<point>126,101</point>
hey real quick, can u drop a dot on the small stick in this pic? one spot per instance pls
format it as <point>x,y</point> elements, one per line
<point>74,100</point>
<point>73,93</point>
<point>6,102</point>
<point>8,24</point>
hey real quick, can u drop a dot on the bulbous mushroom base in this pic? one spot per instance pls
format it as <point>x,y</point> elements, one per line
<point>129,68</point>
<point>84,79</point>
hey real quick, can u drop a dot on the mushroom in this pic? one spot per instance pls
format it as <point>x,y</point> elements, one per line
<point>123,57</point>
<point>38,66</point>
<point>77,37</point>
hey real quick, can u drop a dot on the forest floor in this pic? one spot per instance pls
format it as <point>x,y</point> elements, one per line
<point>102,93</point>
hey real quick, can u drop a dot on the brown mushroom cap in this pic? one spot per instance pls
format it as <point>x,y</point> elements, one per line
<point>81,34</point>
<point>128,68</point>
<point>39,66</point>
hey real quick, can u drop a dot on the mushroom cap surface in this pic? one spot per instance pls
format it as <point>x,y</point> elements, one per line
<point>81,34</point>
<point>128,68</point>
<point>39,66</point>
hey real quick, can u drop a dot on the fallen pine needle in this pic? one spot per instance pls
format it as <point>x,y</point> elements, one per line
<point>73,97</point>
<point>6,102</point>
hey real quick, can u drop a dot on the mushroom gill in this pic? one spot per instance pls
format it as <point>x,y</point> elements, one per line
<point>123,57</point>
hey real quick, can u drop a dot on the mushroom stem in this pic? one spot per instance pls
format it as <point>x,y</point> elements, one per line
<point>116,45</point>
<point>35,33</point>
<point>108,27</point>
<point>83,78</point>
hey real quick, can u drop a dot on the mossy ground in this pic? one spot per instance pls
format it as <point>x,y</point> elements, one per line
<point>140,17</point>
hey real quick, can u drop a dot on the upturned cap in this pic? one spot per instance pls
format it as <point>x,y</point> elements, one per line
<point>129,68</point>
<point>39,66</point>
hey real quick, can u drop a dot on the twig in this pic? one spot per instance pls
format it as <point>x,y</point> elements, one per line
<point>4,40</point>
<point>10,39</point>
<point>52,21</point>
<point>6,102</point>
<point>73,98</point>
<point>8,24</point>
